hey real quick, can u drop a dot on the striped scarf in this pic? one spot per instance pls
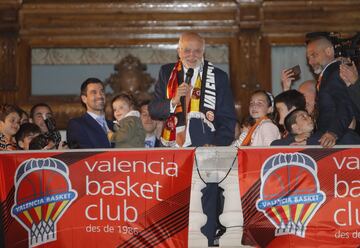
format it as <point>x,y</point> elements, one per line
<point>168,135</point>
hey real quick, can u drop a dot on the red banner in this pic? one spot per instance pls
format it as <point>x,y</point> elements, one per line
<point>300,197</point>
<point>96,199</point>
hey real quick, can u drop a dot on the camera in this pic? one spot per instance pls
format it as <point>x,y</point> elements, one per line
<point>349,48</point>
<point>344,47</point>
<point>41,142</point>
<point>52,133</point>
<point>50,124</point>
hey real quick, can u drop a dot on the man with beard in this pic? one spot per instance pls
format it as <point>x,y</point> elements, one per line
<point>194,99</point>
<point>90,130</point>
<point>333,101</point>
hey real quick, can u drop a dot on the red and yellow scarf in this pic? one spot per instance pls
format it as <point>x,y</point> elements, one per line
<point>168,135</point>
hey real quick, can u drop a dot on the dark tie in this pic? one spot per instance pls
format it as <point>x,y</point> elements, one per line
<point>318,83</point>
<point>102,123</point>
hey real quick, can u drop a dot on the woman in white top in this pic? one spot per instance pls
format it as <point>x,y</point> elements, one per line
<point>263,131</point>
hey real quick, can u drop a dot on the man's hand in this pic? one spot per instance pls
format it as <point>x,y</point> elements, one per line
<point>328,140</point>
<point>349,73</point>
<point>181,91</point>
<point>287,76</point>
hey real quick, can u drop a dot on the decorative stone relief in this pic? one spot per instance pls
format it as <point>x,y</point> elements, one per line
<point>7,65</point>
<point>131,76</point>
<point>148,54</point>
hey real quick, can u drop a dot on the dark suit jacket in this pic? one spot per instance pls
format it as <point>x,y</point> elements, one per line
<point>349,138</point>
<point>312,140</point>
<point>333,102</point>
<point>85,132</point>
<point>200,134</point>
<point>354,92</point>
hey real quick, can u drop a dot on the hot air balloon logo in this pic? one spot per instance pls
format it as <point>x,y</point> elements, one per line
<point>290,193</point>
<point>42,195</point>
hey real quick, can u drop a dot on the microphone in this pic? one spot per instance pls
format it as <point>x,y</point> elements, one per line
<point>188,76</point>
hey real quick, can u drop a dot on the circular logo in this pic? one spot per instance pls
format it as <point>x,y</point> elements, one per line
<point>196,93</point>
<point>210,115</point>
<point>171,123</point>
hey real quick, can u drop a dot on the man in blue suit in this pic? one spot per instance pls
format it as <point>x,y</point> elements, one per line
<point>333,101</point>
<point>90,130</point>
<point>198,107</point>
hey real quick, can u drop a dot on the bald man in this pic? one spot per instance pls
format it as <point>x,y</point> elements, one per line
<point>334,104</point>
<point>308,89</point>
<point>197,113</point>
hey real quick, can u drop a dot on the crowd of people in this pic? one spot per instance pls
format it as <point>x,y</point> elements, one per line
<point>193,106</point>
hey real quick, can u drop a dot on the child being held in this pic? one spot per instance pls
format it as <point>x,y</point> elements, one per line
<point>9,125</point>
<point>263,130</point>
<point>129,131</point>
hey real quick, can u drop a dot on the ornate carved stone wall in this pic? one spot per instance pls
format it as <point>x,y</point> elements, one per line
<point>8,39</point>
<point>7,62</point>
<point>148,54</point>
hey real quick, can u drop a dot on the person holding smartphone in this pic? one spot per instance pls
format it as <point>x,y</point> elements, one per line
<point>307,88</point>
<point>288,76</point>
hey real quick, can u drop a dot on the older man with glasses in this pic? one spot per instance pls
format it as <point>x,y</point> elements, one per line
<point>194,99</point>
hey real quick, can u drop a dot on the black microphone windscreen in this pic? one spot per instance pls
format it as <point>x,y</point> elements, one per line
<point>189,74</point>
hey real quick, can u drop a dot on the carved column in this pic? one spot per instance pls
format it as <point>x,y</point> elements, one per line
<point>8,40</point>
<point>249,55</point>
<point>7,59</point>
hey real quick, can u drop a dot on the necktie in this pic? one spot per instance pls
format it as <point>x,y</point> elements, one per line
<point>102,123</point>
<point>318,83</point>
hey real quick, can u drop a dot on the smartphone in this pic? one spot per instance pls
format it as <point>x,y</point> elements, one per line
<point>296,70</point>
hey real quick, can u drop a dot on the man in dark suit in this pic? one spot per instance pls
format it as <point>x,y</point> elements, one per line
<point>90,130</point>
<point>199,112</point>
<point>333,101</point>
